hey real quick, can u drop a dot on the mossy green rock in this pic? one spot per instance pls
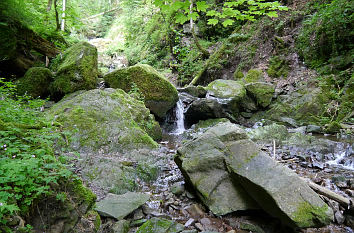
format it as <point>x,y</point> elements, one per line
<point>35,83</point>
<point>261,92</point>
<point>276,188</point>
<point>202,164</point>
<point>228,92</point>
<point>76,70</point>
<point>159,94</point>
<point>160,225</point>
<point>108,120</point>
<point>269,133</point>
<point>253,75</point>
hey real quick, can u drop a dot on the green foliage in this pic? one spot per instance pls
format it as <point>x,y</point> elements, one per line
<point>278,67</point>
<point>326,36</point>
<point>226,14</point>
<point>27,163</point>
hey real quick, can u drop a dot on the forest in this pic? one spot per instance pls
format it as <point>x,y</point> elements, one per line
<point>176,116</point>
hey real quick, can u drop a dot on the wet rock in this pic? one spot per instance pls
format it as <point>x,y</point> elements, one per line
<point>119,206</point>
<point>203,109</point>
<point>202,164</point>
<point>268,182</point>
<point>288,121</point>
<point>318,165</point>
<point>251,227</point>
<point>269,133</point>
<point>138,223</point>
<point>339,217</point>
<point>189,222</point>
<point>160,225</point>
<point>121,226</point>
<point>196,91</point>
<point>159,94</point>
<point>35,83</point>
<point>301,130</point>
<point>261,92</point>
<point>313,129</point>
<point>195,211</point>
<point>76,70</point>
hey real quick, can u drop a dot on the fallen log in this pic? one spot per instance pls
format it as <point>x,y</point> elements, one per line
<point>345,202</point>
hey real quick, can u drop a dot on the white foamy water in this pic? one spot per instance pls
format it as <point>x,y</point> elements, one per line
<point>179,119</point>
<point>342,160</point>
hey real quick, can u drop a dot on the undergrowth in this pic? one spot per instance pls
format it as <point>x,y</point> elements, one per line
<point>28,166</point>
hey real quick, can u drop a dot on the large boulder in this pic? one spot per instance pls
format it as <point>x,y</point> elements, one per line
<point>224,153</point>
<point>228,92</point>
<point>276,188</point>
<point>75,70</point>
<point>202,164</point>
<point>35,82</point>
<point>109,120</point>
<point>159,94</point>
<point>262,92</point>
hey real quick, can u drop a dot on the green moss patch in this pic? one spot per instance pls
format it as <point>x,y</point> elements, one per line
<point>35,82</point>
<point>306,214</point>
<point>278,67</point>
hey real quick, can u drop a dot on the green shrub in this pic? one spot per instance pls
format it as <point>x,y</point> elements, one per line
<point>327,35</point>
<point>28,166</point>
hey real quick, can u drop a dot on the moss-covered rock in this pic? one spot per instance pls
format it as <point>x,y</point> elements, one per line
<point>75,70</point>
<point>35,82</point>
<point>108,120</point>
<point>254,75</point>
<point>261,92</point>
<point>161,225</point>
<point>159,94</point>
<point>227,92</point>
<point>278,67</point>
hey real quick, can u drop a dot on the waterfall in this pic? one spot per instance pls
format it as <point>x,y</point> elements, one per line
<point>179,118</point>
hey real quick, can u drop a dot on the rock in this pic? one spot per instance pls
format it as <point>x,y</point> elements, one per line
<point>199,226</point>
<point>89,223</point>
<point>35,83</point>
<point>121,226</point>
<point>301,130</point>
<point>177,189</point>
<point>196,91</point>
<point>189,231</point>
<point>203,109</point>
<point>251,227</point>
<point>277,189</point>
<point>76,70</point>
<point>119,206</point>
<point>269,133</point>
<point>228,92</point>
<point>202,164</point>
<point>189,222</point>
<point>339,217</point>
<point>254,75</point>
<point>248,104</point>
<point>159,94</point>
<point>108,120</point>
<point>160,225</point>
<point>288,121</point>
<point>195,211</point>
<point>261,92</point>
<point>138,223</point>
<point>313,129</point>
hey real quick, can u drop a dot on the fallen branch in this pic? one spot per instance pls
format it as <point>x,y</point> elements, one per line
<point>345,202</point>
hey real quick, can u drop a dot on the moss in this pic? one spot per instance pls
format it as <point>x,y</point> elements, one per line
<point>238,75</point>
<point>307,215</point>
<point>83,193</point>
<point>254,75</point>
<point>209,123</point>
<point>93,215</point>
<point>261,92</point>
<point>333,127</point>
<point>35,82</point>
<point>77,70</point>
<point>278,67</point>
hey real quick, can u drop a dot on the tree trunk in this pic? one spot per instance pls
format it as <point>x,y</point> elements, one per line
<point>63,16</point>
<point>56,15</point>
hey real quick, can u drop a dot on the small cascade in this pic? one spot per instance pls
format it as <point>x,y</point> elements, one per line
<point>179,118</point>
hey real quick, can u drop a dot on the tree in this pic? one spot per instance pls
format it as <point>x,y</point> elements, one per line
<point>227,13</point>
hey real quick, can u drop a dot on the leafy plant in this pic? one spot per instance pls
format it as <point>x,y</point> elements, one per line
<point>27,163</point>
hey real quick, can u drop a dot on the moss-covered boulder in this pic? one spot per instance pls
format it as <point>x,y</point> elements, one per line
<point>159,94</point>
<point>228,92</point>
<point>202,164</point>
<point>75,70</point>
<point>253,75</point>
<point>35,82</point>
<point>261,92</point>
<point>108,120</point>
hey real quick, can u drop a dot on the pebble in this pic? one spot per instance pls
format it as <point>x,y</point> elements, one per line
<point>199,226</point>
<point>189,222</point>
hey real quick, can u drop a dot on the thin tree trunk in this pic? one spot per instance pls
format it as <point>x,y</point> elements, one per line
<point>49,6</point>
<point>56,15</point>
<point>63,16</point>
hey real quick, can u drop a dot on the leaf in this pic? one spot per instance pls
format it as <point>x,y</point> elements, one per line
<point>181,18</point>
<point>272,14</point>
<point>213,21</point>
<point>202,6</point>
<point>228,22</point>
<point>193,16</point>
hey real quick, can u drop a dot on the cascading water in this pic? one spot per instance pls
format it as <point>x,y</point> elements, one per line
<point>179,118</point>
